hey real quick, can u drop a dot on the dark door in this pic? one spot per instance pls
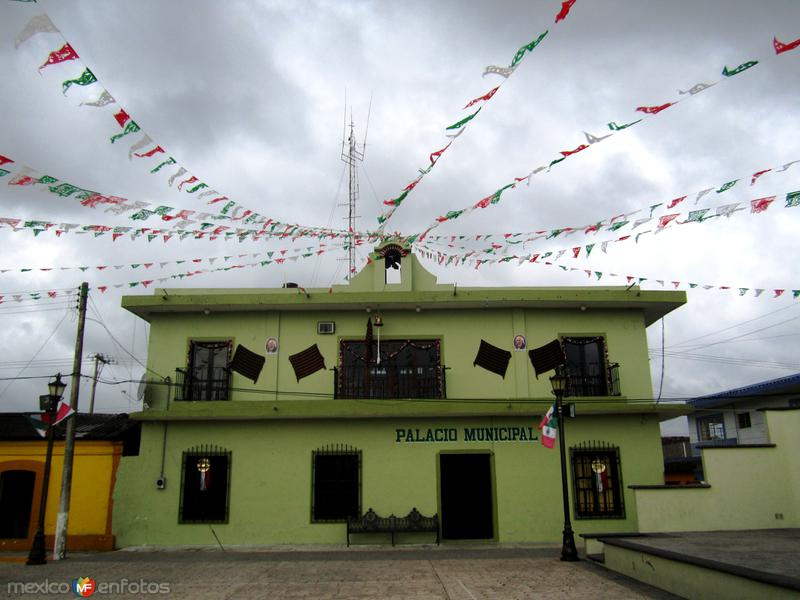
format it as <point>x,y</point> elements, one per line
<point>466,496</point>
<point>16,499</point>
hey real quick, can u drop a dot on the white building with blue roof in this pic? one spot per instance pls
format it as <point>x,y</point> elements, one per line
<point>735,417</point>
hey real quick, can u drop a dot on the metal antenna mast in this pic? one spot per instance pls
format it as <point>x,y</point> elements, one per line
<point>350,155</point>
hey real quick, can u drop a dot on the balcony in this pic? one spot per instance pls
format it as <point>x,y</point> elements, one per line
<point>192,388</point>
<point>582,382</point>
<point>389,381</point>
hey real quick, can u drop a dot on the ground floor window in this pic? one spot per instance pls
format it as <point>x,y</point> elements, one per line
<point>597,481</point>
<point>205,485</point>
<point>336,484</point>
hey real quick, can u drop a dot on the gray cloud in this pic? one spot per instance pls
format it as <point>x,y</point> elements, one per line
<point>248,96</point>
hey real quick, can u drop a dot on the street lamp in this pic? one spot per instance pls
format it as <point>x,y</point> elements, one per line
<point>559,383</point>
<point>49,404</point>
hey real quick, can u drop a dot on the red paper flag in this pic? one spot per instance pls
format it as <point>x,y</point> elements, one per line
<point>653,110</point>
<point>675,202</point>
<point>757,175</point>
<point>565,6</point>
<point>152,152</point>
<point>437,154</point>
<point>566,153</point>
<point>483,98</point>
<point>191,179</point>
<point>666,220</point>
<point>761,204</point>
<point>58,56</point>
<point>778,293</point>
<point>483,203</point>
<point>5,160</point>
<point>576,251</point>
<point>780,47</point>
<point>122,117</point>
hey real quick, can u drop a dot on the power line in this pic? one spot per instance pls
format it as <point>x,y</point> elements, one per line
<point>735,325</point>
<point>744,362</point>
<point>117,342</point>
<point>47,341</point>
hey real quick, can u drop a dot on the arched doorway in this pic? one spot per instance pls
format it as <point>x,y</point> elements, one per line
<point>17,488</point>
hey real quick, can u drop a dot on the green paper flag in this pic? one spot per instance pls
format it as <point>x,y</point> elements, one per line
<point>617,225</point>
<point>169,161</point>
<point>614,127</point>
<point>526,48</point>
<point>464,121</point>
<point>792,199</point>
<point>739,69</point>
<point>131,127</point>
<point>86,78</point>
<point>725,187</point>
<point>698,216</point>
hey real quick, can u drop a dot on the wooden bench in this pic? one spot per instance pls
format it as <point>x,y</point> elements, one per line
<point>413,522</point>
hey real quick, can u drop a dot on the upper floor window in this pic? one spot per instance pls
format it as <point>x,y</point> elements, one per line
<point>711,428</point>
<point>597,480</point>
<point>207,376</point>
<point>205,485</point>
<point>406,369</point>
<point>587,366</point>
<point>743,420</point>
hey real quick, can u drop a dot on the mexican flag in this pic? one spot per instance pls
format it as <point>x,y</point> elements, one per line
<point>41,421</point>
<point>549,427</point>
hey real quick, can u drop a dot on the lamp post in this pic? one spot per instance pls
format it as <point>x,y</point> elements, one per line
<point>49,404</point>
<point>559,383</point>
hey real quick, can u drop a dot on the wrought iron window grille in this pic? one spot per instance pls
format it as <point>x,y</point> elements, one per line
<point>335,483</point>
<point>205,485</point>
<point>597,481</point>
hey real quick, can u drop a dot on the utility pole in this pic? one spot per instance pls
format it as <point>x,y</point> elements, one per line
<point>59,549</point>
<point>98,358</point>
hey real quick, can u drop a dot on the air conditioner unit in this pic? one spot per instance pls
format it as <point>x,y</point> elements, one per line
<point>326,327</point>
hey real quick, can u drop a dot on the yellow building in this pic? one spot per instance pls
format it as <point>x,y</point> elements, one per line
<point>101,440</point>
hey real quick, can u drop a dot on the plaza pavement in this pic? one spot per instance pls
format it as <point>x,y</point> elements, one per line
<point>364,573</point>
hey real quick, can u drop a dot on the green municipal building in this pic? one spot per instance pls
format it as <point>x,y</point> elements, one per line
<point>271,415</point>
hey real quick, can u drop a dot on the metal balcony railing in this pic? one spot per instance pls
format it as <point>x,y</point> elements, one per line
<point>189,387</point>
<point>599,384</point>
<point>389,381</point>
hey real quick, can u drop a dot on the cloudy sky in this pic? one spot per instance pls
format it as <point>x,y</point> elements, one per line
<point>249,97</point>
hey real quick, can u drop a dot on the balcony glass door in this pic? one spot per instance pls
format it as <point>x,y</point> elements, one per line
<point>586,366</point>
<point>208,371</point>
